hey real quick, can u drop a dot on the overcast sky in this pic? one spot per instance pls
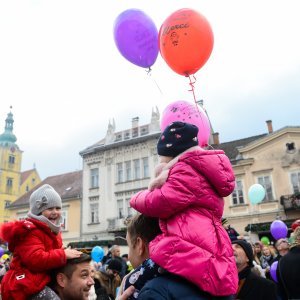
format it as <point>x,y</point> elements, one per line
<point>63,75</point>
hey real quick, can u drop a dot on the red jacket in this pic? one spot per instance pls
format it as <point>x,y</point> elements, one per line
<point>36,250</point>
<point>190,204</point>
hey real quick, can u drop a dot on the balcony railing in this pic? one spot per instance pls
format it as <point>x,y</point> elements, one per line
<point>290,202</point>
<point>116,224</point>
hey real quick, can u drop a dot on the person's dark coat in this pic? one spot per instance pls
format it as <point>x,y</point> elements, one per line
<point>173,287</point>
<point>288,274</point>
<point>254,287</point>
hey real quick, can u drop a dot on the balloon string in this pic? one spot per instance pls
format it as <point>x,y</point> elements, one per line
<point>196,104</point>
<point>193,89</point>
<point>149,73</point>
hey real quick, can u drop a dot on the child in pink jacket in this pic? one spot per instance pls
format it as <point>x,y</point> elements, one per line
<point>187,196</point>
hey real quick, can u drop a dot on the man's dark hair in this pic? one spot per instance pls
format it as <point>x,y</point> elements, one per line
<point>70,267</point>
<point>147,228</point>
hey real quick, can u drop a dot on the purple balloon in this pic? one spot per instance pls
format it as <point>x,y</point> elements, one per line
<point>136,37</point>
<point>273,270</point>
<point>278,229</point>
<point>1,251</point>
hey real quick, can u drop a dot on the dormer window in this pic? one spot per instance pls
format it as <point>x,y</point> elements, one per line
<point>290,147</point>
<point>127,135</point>
<point>135,132</point>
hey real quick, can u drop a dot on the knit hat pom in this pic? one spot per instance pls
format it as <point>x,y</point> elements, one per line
<point>43,198</point>
<point>176,138</point>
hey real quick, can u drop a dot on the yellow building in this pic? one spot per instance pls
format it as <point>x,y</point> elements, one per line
<point>69,187</point>
<point>29,179</point>
<point>13,183</point>
<point>10,168</point>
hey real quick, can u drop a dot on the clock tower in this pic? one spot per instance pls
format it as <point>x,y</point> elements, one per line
<point>10,168</point>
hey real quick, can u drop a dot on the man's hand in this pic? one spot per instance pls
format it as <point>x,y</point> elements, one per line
<point>128,292</point>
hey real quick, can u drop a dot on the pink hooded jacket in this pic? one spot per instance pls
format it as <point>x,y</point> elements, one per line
<point>193,243</point>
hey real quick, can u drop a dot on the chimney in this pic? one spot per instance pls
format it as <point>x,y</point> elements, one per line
<point>216,138</point>
<point>270,126</point>
<point>135,122</point>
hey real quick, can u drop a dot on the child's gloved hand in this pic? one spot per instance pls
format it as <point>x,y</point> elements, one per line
<point>159,181</point>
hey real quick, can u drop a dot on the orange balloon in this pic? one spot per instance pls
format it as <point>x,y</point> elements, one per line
<point>186,41</point>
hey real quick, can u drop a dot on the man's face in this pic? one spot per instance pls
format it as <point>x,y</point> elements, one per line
<point>133,253</point>
<point>78,286</point>
<point>240,256</point>
<point>116,252</point>
<point>282,244</point>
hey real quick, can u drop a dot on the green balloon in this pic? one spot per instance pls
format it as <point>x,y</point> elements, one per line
<point>265,240</point>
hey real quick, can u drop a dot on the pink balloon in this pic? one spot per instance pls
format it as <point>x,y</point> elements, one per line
<point>188,113</point>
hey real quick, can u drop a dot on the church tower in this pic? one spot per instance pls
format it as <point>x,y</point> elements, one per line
<point>10,168</point>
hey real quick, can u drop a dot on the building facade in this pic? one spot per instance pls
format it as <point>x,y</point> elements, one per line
<point>69,187</point>
<point>113,170</point>
<point>122,163</point>
<point>29,179</point>
<point>272,160</point>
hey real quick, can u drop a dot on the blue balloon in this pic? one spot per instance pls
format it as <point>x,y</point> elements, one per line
<point>256,193</point>
<point>97,254</point>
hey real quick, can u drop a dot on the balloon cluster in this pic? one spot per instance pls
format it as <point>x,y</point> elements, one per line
<point>185,39</point>
<point>278,230</point>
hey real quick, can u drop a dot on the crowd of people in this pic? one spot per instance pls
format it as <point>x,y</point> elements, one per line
<point>179,245</point>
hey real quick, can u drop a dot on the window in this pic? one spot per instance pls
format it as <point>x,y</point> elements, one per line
<point>9,182</point>
<point>64,223</point>
<point>295,180</point>
<point>6,203</point>
<point>135,132</point>
<point>128,170</point>
<point>94,178</point>
<point>120,208</point>
<point>145,167</point>
<point>265,181</point>
<point>94,213</point>
<point>11,159</point>
<point>137,169</point>
<point>127,135</point>
<point>129,208</point>
<point>238,195</point>
<point>120,172</point>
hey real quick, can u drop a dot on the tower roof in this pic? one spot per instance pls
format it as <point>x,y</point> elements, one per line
<point>7,138</point>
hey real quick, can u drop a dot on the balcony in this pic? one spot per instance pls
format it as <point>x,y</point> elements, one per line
<point>116,224</point>
<point>290,202</point>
